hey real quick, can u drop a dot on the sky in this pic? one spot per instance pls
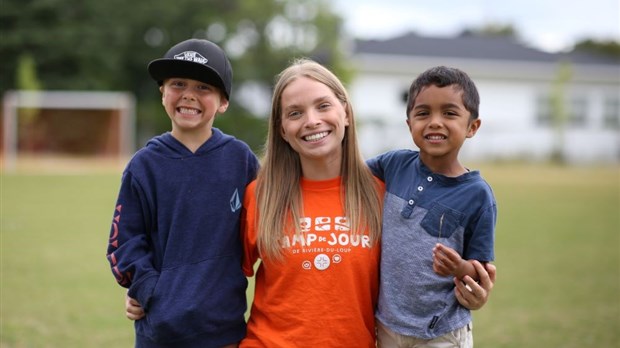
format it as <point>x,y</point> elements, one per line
<point>550,25</point>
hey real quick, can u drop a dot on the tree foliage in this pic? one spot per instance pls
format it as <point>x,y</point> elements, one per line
<point>106,45</point>
<point>608,48</point>
<point>492,30</point>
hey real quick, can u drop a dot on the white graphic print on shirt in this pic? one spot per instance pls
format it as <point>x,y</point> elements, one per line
<point>324,239</point>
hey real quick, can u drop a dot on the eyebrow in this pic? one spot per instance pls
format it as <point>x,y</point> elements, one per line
<point>314,101</point>
<point>443,106</point>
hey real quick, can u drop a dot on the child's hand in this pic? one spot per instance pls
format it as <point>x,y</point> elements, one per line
<point>446,261</point>
<point>473,295</point>
<point>133,310</point>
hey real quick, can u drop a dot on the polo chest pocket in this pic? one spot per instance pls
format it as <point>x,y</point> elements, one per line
<point>441,221</point>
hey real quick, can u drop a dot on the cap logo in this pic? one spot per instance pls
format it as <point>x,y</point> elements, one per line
<point>192,57</point>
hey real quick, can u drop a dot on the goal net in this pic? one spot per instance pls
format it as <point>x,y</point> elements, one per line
<point>66,124</point>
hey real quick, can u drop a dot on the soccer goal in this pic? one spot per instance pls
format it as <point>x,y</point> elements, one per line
<point>85,124</point>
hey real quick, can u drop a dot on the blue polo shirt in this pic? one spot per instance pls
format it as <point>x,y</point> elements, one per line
<point>422,208</point>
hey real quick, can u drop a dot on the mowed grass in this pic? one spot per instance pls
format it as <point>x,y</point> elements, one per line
<point>557,254</point>
<point>557,250</point>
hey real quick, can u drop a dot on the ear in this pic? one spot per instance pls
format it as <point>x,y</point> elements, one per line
<point>408,124</point>
<point>346,115</point>
<point>473,127</point>
<point>223,105</point>
<point>282,134</point>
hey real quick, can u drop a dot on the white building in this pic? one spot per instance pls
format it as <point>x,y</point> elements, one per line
<point>516,85</point>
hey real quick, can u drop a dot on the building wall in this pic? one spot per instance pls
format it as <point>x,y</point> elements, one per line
<point>510,107</point>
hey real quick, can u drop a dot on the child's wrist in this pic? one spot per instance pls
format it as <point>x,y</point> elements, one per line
<point>461,270</point>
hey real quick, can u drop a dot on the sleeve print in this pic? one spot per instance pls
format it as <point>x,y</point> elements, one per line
<point>123,279</point>
<point>129,253</point>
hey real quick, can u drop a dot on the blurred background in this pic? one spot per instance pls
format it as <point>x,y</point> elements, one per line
<point>548,74</point>
<point>78,102</point>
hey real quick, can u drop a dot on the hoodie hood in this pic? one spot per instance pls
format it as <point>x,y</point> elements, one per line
<point>168,146</point>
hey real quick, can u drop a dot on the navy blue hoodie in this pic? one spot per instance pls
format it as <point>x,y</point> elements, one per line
<point>175,240</point>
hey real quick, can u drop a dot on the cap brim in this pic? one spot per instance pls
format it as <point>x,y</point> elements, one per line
<point>161,69</point>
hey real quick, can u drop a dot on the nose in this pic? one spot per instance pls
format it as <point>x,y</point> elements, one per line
<point>188,95</point>
<point>313,119</point>
<point>435,120</point>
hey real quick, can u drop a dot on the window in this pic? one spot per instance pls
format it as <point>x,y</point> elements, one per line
<point>611,113</point>
<point>577,111</point>
<point>543,110</point>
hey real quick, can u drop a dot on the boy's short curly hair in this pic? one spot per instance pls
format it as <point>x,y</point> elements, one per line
<point>442,76</point>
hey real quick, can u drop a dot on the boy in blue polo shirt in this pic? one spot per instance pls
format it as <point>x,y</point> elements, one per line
<point>438,217</point>
<point>174,241</point>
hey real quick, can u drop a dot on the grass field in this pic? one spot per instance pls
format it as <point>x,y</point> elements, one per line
<point>557,249</point>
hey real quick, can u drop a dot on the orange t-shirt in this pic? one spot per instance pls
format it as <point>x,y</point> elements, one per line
<point>324,292</point>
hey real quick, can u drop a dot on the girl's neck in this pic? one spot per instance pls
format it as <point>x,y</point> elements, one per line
<point>321,169</point>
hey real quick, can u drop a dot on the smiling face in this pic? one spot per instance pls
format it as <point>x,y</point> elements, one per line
<point>191,106</point>
<point>439,124</point>
<point>313,122</point>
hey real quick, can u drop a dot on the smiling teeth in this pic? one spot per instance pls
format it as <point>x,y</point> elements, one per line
<point>188,111</point>
<point>435,137</point>
<point>315,137</point>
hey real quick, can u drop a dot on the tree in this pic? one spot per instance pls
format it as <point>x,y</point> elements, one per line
<point>558,109</point>
<point>608,48</point>
<point>492,30</point>
<point>106,45</point>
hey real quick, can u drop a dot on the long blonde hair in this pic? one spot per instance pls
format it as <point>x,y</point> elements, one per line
<point>278,190</point>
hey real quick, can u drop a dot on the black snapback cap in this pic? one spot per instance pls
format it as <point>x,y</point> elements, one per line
<point>195,59</point>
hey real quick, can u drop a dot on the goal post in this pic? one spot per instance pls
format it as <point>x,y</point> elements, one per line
<point>68,113</point>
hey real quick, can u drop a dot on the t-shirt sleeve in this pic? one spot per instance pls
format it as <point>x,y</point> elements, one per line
<point>481,245</point>
<point>376,167</point>
<point>248,230</point>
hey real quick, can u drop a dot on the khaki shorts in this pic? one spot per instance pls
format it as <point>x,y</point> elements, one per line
<point>459,338</point>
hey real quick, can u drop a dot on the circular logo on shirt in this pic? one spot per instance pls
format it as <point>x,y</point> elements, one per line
<point>321,262</point>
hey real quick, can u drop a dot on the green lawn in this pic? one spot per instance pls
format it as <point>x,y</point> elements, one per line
<point>557,249</point>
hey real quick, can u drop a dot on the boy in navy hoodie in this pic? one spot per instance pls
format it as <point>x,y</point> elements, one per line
<point>174,241</point>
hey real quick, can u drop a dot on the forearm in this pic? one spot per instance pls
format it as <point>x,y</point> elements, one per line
<point>466,268</point>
